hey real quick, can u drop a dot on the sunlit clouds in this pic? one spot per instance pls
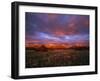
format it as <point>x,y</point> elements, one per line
<point>56,29</point>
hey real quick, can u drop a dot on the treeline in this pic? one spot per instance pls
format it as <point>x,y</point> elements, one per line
<point>44,48</point>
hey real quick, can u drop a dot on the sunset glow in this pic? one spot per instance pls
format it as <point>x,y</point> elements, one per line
<point>56,30</point>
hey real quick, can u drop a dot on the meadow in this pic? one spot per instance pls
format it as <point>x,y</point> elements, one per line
<point>56,57</point>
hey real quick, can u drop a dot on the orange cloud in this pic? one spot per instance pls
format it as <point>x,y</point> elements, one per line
<point>52,16</point>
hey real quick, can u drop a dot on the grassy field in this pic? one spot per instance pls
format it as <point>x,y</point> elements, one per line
<point>57,57</point>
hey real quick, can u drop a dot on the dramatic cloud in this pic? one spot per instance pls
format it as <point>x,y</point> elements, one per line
<point>43,28</point>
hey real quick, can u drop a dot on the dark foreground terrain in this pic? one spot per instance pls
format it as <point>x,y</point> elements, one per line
<point>56,57</point>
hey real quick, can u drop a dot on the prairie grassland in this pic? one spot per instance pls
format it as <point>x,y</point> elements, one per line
<point>57,57</point>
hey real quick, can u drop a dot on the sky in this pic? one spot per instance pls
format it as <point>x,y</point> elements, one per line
<point>44,28</point>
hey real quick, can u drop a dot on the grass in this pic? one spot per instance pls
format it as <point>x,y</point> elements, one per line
<point>56,57</point>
